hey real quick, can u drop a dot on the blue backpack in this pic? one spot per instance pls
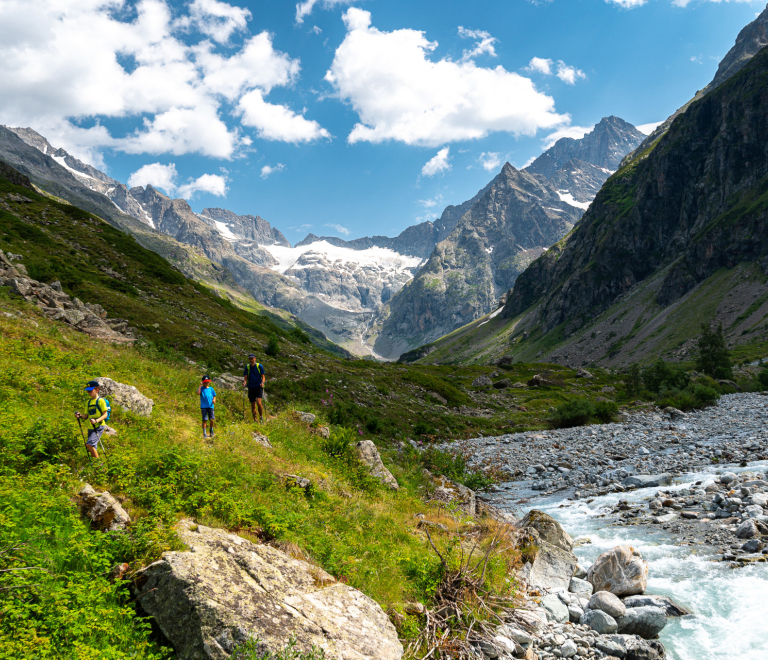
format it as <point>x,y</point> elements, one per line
<point>109,407</point>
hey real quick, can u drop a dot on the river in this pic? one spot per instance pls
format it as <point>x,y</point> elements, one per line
<point>730,606</point>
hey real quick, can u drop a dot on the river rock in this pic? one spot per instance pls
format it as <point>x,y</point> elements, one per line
<point>556,608</point>
<point>517,634</point>
<point>102,509</point>
<point>368,454</point>
<point>647,480</point>
<point>670,607</point>
<point>125,396</point>
<point>747,530</point>
<point>647,622</point>
<point>727,477</point>
<point>636,648</point>
<point>568,649</point>
<point>548,528</point>
<point>575,612</point>
<point>753,545</point>
<point>621,570</point>
<point>551,566</point>
<point>599,621</point>
<point>610,648</point>
<point>581,588</point>
<point>608,603</point>
<point>226,589</point>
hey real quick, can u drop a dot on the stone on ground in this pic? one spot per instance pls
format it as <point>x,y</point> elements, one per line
<point>368,454</point>
<point>548,528</point>
<point>125,396</point>
<point>580,587</point>
<point>608,603</point>
<point>670,607</point>
<point>226,589</point>
<point>556,608</point>
<point>621,570</point>
<point>647,480</point>
<point>550,568</point>
<point>600,622</point>
<point>482,381</point>
<point>647,622</point>
<point>102,509</point>
<point>747,530</point>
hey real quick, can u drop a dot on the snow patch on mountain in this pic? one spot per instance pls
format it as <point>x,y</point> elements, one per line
<point>567,197</point>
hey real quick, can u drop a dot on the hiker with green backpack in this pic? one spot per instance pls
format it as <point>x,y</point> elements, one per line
<point>97,413</point>
<point>253,379</point>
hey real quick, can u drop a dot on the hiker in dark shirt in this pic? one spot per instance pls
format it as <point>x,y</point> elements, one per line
<point>253,379</point>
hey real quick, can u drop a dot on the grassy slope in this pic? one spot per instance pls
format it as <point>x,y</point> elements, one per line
<point>634,329</point>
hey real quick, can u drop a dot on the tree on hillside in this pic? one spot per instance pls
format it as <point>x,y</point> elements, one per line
<point>714,358</point>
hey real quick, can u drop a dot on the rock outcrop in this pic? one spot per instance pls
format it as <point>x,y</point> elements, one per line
<point>59,306</point>
<point>548,528</point>
<point>547,548</point>
<point>102,509</point>
<point>621,571</point>
<point>226,589</point>
<point>368,454</point>
<point>125,396</point>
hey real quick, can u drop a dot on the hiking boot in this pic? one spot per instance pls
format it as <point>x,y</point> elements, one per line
<point>205,435</point>
<point>213,435</point>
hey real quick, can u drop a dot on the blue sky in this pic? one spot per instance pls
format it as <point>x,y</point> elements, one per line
<point>337,117</point>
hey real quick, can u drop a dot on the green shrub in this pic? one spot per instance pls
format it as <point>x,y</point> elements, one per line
<point>423,428</point>
<point>663,376</point>
<point>695,396</point>
<point>604,411</point>
<point>255,649</point>
<point>450,393</point>
<point>575,412</point>
<point>337,444</point>
<point>273,347</point>
<point>455,468</point>
<point>373,425</point>
<point>714,358</point>
<point>300,336</point>
<point>762,378</point>
<point>633,381</point>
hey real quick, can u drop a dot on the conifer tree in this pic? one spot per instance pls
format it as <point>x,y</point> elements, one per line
<point>714,358</point>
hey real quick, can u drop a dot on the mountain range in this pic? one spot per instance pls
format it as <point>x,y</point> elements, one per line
<point>512,222</point>
<point>341,288</point>
<point>674,239</point>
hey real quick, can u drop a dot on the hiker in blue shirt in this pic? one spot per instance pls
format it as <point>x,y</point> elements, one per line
<point>207,401</point>
<point>253,379</point>
<point>96,413</point>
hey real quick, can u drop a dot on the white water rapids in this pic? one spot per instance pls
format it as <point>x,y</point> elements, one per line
<point>730,606</point>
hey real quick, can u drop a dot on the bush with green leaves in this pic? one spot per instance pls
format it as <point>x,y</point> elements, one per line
<point>713,356</point>
<point>633,381</point>
<point>273,346</point>
<point>661,375</point>
<point>455,467</point>
<point>578,412</point>
<point>255,649</point>
<point>694,396</point>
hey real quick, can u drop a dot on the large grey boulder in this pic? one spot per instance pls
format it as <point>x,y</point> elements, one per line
<point>482,381</point>
<point>102,509</point>
<point>747,530</point>
<point>451,492</point>
<point>647,622</point>
<point>125,396</point>
<point>368,454</point>
<point>556,609</point>
<point>621,570</point>
<point>550,568</point>
<point>606,602</point>
<point>580,587</point>
<point>647,480</point>
<point>635,648</point>
<point>548,528</point>
<point>670,607</point>
<point>599,621</point>
<point>226,589</point>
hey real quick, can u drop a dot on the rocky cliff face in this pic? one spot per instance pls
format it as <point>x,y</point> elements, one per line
<point>510,225</point>
<point>250,227</point>
<point>697,203</point>
<point>749,42</point>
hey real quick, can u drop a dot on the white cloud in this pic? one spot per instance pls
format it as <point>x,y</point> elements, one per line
<point>490,160</point>
<point>278,122</point>
<point>541,65</point>
<point>438,163</point>
<point>163,177</point>
<point>338,228</point>
<point>157,175</point>
<point>64,63</point>
<point>268,169</point>
<point>213,184</point>
<point>215,19</point>
<point>575,132</point>
<point>483,43</point>
<point>304,9</point>
<point>647,129</point>
<point>569,74</point>
<point>431,203</point>
<point>400,94</point>
<point>629,4</point>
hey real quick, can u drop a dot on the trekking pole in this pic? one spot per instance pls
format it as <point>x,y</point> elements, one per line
<point>80,424</point>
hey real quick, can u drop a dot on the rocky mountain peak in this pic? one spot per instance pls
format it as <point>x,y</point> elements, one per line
<point>752,39</point>
<point>250,227</point>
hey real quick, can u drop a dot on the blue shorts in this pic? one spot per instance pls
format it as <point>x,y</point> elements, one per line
<point>94,435</point>
<point>207,414</point>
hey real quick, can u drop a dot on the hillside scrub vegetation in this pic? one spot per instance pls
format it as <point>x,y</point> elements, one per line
<point>160,468</point>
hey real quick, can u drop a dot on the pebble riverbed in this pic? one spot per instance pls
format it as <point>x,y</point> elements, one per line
<point>689,490</point>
